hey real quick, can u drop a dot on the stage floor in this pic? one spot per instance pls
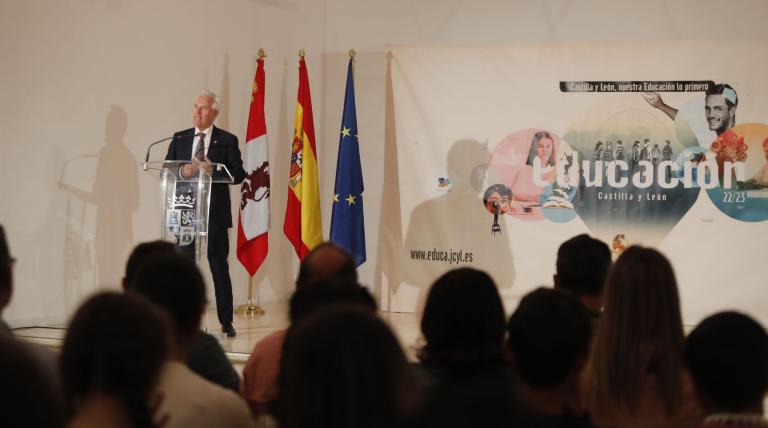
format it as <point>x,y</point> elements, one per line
<point>249,331</point>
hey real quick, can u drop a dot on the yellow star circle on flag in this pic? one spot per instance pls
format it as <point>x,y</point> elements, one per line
<point>335,197</point>
<point>345,131</point>
<point>350,199</point>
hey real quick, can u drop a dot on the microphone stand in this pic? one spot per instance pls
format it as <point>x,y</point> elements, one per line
<point>495,228</point>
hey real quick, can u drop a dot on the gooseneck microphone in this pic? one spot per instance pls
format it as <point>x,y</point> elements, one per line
<point>177,137</point>
<point>495,228</point>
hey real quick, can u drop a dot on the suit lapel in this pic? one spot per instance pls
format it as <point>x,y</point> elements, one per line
<point>213,149</point>
<point>185,149</point>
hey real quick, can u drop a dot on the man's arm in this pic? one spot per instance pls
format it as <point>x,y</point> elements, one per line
<point>655,101</point>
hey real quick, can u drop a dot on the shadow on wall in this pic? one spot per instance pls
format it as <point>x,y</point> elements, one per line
<point>79,268</point>
<point>44,270</point>
<point>116,197</point>
<point>456,225</point>
<point>455,221</point>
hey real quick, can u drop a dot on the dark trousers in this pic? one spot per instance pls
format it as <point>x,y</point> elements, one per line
<point>218,250</point>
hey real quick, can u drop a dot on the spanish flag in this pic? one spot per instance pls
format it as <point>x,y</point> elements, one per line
<point>303,226</point>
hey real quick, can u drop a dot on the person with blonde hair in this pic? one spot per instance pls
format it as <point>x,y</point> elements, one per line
<point>636,375</point>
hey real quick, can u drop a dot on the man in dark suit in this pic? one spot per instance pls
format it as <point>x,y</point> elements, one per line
<point>203,144</point>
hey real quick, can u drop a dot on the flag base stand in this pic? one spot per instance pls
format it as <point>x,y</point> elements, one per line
<point>249,310</point>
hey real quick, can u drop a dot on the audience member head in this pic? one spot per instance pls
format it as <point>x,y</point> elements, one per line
<point>549,335</point>
<point>463,321</point>
<point>6,272</point>
<point>641,333</point>
<point>326,262</point>
<point>343,289</point>
<point>29,400</point>
<point>173,282</point>
<point>142,252</point>
<point>581,267</point>
<point>115,347</point>
<point>727,356</point>
<point>343,368</point>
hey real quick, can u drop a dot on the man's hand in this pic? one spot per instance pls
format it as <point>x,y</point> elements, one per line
<point>206,166</point>
<point>189,170</point>
<point>653,99</point>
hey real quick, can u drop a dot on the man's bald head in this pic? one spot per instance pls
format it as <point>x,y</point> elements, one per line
<point>324,263</point>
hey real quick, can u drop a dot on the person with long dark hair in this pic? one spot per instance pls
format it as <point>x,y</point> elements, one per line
<point>548,341</point>
<point>463,326</point>
<point>636,376</point>
<point>173,283</point>
<point>342,367</point>
<point>30,399</point>
<point>114,350</point>
<point>462,361</point>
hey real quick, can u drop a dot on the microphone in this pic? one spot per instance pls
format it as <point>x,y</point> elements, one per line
<point>149,148</point>
<point>495,227</point>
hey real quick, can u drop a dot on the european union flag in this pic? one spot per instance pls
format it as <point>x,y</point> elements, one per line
<point>347,226</point>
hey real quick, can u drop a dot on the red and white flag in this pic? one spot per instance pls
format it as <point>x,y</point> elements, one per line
<point>253,220</point>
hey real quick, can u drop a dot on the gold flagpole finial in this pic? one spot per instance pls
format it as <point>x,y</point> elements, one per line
<point>262,54</point>
<point>352,54</point>
<point>301,53</point>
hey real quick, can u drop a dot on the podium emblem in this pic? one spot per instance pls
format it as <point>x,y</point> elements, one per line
<point>180,220</point>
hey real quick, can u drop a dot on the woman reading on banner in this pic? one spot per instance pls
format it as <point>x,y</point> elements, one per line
<point>541,158</point>
<point>542,154</point>
<point>525,162</point>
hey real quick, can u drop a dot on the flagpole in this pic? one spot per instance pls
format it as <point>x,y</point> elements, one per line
<point>249,310</point>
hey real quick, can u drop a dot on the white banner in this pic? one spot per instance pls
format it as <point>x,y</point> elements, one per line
<point>505,152</point>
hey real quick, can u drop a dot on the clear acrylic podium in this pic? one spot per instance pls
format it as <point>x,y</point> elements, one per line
<point>186,201</point>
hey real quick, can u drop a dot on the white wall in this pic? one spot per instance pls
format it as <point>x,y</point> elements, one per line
<point>88,84</point>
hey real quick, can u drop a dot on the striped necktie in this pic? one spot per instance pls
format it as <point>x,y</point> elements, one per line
<point>200,150</point>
